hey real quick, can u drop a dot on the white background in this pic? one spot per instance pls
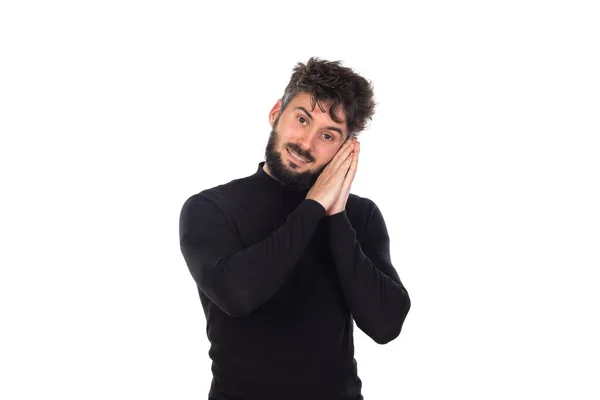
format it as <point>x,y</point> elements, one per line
<point>482,156</point>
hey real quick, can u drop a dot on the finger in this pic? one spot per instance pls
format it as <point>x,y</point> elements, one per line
<point>349,178</point>
<point>342,154</point>
<point>345,167</point>
<point>351,173</point>
<point>343,149</point>
<point>333,163</point>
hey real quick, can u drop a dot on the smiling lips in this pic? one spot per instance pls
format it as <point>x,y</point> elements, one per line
<point>297,157</point>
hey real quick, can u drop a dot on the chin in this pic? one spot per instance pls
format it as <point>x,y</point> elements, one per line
<point>288,173</point>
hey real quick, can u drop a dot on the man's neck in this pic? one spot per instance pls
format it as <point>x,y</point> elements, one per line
<point>266,169</point>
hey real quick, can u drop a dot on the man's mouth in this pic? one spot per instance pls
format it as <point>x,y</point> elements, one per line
<point>297,157</point>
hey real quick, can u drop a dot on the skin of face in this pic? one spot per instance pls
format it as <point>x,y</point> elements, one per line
<point>308,133</point>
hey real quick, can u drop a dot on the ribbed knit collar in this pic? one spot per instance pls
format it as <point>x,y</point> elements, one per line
<point>275,184</point>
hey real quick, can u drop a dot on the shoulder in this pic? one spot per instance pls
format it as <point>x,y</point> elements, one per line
<point>221,197</point>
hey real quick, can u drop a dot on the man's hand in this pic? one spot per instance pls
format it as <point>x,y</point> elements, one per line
<point>340,204</point>
<point>329,184</point>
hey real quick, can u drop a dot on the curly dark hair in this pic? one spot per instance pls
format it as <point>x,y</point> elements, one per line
<point>330,81</point>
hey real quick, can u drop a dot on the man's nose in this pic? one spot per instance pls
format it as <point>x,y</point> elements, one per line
<point>306,141</point>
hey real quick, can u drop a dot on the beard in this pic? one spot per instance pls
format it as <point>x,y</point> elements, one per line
<point>284,173</point>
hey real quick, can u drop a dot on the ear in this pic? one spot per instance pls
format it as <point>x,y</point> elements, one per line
<point>274,112</point>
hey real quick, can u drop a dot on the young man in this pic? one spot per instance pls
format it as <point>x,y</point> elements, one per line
<point>286,258</point>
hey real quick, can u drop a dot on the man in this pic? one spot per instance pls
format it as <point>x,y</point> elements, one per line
<point>286,258</point>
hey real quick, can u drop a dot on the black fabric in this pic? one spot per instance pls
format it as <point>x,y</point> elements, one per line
<point>280,283</point>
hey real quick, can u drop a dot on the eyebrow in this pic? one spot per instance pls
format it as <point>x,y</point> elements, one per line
<point>333,128</point>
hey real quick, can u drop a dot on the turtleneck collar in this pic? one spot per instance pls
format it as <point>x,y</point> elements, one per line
<point>272,182</point>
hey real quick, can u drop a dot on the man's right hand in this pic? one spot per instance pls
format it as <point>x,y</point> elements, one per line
<point>328,185</point>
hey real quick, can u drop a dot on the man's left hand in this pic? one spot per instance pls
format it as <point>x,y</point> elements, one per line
<point>340,203</point>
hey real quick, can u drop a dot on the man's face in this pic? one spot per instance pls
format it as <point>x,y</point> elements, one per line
<point>302,142</point>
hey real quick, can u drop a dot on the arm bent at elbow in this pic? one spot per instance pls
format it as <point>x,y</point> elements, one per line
<point>239,279</point>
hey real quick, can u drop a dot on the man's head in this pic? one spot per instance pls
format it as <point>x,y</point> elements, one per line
<point>323,105</point>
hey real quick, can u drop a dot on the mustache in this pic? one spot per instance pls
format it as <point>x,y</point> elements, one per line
<point>296,149</point>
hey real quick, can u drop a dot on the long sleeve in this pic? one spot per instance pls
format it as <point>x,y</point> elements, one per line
<point>238,279</point>
<point>372,288</point>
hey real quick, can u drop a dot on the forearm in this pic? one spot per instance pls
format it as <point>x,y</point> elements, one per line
<point>375,295</point>
<point>238,279</point>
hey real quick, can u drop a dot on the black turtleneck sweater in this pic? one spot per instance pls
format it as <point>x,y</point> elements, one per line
<point>280,282</point>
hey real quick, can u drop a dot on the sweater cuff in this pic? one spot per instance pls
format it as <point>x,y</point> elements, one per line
<point>340,220</point>
<point>312,207</point>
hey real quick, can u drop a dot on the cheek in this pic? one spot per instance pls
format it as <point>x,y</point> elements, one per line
<point>324,156</point>
<point>292,133</point>
<point>331,152</point>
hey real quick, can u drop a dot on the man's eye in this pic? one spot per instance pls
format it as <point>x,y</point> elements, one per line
<point>328,136</point>
<point>302,120</point>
